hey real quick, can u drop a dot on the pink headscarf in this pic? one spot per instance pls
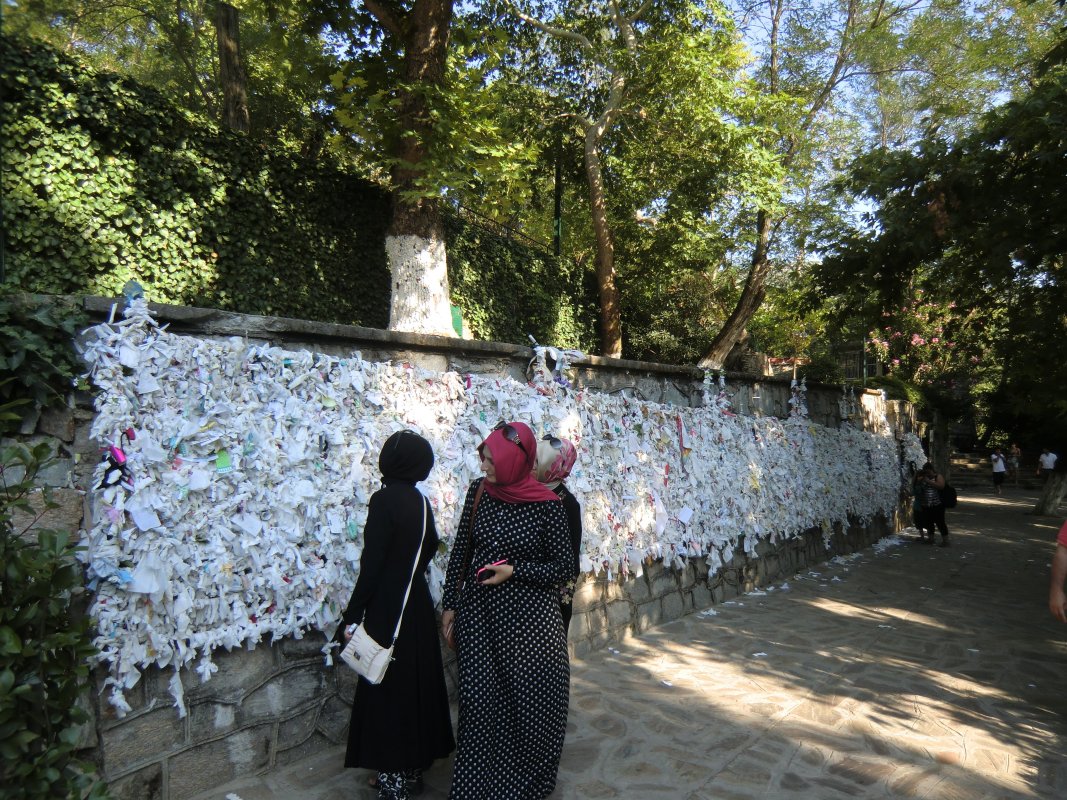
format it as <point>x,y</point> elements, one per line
<point>514,483</point>
<point>554,464</point>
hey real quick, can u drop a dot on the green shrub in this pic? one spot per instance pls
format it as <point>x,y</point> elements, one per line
<point>898,389</point>
<point>507,290</point>
<point>44,643</point>
<point>37,361</point>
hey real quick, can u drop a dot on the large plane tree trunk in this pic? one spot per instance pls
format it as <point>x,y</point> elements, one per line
<point>608,292</point>
<point>232,76</point>
<point>415,240</point>
<point>1048,504</point>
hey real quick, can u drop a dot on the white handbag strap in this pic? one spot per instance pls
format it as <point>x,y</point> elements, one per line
<point>414,568</point>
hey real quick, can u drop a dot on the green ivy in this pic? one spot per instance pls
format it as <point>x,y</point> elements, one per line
<point>105,180</point>
<point>38,364</point>
<point>508,291</point>
<point>45,644</point>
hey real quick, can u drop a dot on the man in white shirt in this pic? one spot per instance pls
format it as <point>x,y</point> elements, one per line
<point>1000,469</point>
<point>1046,463</point>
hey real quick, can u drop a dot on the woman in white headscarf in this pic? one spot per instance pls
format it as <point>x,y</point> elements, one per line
<point>555,460</point>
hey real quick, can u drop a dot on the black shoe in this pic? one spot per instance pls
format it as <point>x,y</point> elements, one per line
<point>944,542</point>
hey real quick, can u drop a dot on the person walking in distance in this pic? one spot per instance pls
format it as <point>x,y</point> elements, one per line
<point>1000,470</point>
<point>1046,464</point>
<point>931,482</point>
<point>1015,458</point>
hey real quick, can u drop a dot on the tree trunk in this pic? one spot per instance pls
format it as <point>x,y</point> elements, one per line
<point>231,69</point>
<point>1048,504</point>
<point>751,296</point>
<point>610,313</point>
<point>415,241</point>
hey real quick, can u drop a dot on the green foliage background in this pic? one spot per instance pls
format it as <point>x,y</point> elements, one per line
<point>106,180</point>
<point>45,644</point>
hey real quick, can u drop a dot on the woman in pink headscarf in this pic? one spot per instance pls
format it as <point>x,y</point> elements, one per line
<point>501,614</point>
<point>555,460</point>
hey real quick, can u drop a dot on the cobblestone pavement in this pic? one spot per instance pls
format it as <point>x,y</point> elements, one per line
<point>903,671</point>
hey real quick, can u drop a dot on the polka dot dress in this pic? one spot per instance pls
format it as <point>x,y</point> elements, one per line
<point>514,673</point>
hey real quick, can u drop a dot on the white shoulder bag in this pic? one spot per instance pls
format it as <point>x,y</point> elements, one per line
<point>362,653</point>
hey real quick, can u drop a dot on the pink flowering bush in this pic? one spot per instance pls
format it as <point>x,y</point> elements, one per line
<point>935,345</point>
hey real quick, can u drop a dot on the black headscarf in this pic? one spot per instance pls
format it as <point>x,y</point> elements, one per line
<point>406,457</point>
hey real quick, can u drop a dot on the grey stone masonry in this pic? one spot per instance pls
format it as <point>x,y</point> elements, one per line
<point>278,703</point>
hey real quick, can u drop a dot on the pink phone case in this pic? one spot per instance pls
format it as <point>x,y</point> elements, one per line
<point>478,574</point>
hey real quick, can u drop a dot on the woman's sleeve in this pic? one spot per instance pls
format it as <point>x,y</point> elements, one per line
<point>559,567</point>
<point>371,561</point>
<point>458,557</point>
<point>574,524</point>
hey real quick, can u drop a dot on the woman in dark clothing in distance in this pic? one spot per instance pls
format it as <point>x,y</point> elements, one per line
<point>400,726</point>
<point>555,460</point>
<point>514,674</point>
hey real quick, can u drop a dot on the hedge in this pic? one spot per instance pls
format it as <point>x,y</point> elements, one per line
<point>105,180</point>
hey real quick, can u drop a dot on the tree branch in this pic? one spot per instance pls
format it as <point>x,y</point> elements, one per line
<point>551,30</point>
<point>387,16</point>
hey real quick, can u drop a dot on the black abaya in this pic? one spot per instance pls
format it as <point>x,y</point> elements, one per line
<point>403,723</point>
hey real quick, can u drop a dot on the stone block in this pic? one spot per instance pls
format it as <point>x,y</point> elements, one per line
<point>144,784</point>
<point>688,576</point>
<point>428,361</point>
<point>581,625</point>
<point>57,422</point>
<point>67,516</point>
<point>731,589</point>
<point>299,751</point>
<point>283,693</point>
<point>587,594</point>
<point>211,764</point>
<point>663,584</point>
<point>673,607</point>
<point>141,737</point>
<point>333,720</point>
<point>346,681</point>
<point>619,614</point>
<point>299,726</point>
<point>612,590</point>
<point>240,671</point>
<point>293,649</point>
<point>207,720</point>
<point>638,589</point>
<point>648,615</point>
<point>87,735</point>
<point>83,445</point>
<point>701,597</point>
<point>58,473</point>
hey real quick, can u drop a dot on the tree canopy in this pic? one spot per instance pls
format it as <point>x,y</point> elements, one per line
<point>796,175</point>
<point>963,256</point>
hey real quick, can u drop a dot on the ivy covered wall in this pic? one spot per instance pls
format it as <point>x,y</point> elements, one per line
<point>105,180</point>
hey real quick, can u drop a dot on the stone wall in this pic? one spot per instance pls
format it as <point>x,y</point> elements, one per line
<point>272,705</point>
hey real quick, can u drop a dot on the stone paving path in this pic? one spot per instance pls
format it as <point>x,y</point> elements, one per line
<point>904,671</point>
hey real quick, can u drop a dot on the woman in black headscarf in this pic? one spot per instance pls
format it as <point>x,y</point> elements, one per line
<point>401,725</point>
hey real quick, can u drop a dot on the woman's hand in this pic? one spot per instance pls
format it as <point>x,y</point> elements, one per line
<point>501,573</point>
<point>448,621</point>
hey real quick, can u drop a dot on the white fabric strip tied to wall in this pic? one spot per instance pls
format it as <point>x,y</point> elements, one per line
<point>250,468</point>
